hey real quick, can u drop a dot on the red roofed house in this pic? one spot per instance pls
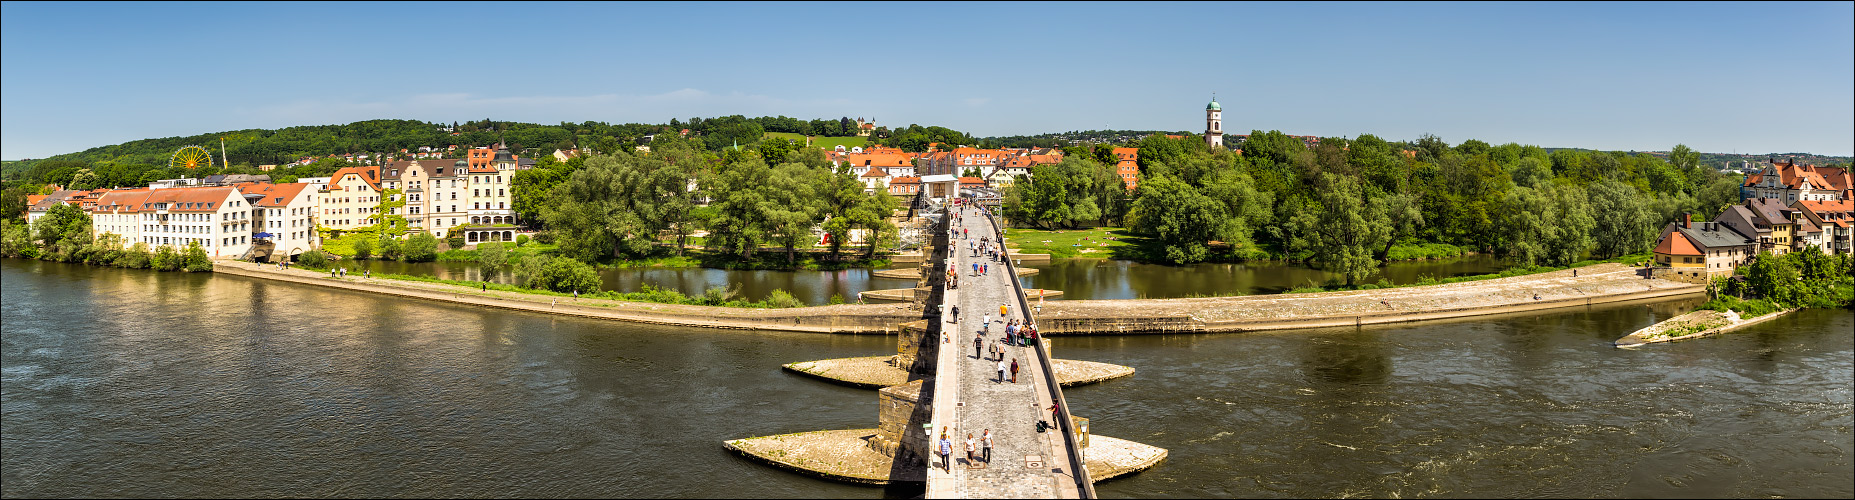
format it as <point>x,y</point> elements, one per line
<point>1837,220</point>
<point>1127,166</point>
<point>972,182</point>
<point>1789,182</point>
<point>904,186</point>
<point>285,219</point>
<point>875,180</point>
<point>1702,249</point>
<point>350,200</point>
<point>218,218</point>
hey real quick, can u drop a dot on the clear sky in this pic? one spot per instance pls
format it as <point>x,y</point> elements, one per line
<point>1752,77</point>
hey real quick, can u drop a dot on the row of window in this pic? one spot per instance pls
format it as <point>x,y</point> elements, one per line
<point>205,242</point>
<point>164,228</point>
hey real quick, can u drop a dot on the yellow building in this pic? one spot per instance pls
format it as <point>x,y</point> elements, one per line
<point>351,199</point>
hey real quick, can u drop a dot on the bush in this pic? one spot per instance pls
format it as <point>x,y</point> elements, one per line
<point>521,240</point>
<point>566,275</point>
<point>545,237</point>
<point>718,295</point>
<point>313,259</point>
<point>363,247</point>
<point>781,299</point>
<point>422,247</point>
<point>136,257</point>
<point>492,258</point>
<point>836,298</point>
<point>195,260</point>
<point>166,259</point>
<point>454,243</point>
<point>391,248</point>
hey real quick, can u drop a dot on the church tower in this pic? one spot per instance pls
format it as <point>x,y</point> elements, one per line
<point>1214,124</point>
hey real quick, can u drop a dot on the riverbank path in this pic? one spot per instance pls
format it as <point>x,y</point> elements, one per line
<point>1025,463</point>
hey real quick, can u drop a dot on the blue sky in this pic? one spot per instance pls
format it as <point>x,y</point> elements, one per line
<point>1751,77</point>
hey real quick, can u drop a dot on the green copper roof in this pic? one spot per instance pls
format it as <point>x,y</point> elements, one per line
<point>1213,106</point>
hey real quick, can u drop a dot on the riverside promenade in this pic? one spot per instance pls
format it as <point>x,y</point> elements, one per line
<point>972,398</point>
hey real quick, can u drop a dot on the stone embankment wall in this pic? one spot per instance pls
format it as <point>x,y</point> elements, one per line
<point>1600,284</point>
<point>843,318</point>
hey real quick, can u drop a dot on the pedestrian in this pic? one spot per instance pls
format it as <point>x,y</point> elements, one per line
<point>956,312</point>
<point>576,294</point>
<point>1001,371</point>
<point>1002,310</point>
<point>946,452</point>
<point>1014,370</point>
<point>367,273</point>
<point>985,443</point>
<point>971,446</point>
<point>979,345</point>
<point>987,320</point>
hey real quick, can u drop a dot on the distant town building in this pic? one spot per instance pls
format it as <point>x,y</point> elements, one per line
<point>1702,249</point>
<point>1789,182</point>
<point>1127,166</point>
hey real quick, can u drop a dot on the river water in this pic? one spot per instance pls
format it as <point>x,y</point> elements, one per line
<point>1079,279</point>
<point>136,383</point>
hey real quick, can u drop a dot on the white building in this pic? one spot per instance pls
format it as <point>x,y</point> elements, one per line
<point>284,218</point>
<point>218,218</point>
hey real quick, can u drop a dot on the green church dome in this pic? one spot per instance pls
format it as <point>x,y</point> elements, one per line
<point>1213,106</point>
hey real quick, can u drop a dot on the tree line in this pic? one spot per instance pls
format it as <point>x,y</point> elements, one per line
<point>1345,203</point>
<point>626,206</point>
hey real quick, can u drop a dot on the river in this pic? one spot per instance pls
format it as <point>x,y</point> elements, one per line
<point>137,383</point>
<point>1079,279</point>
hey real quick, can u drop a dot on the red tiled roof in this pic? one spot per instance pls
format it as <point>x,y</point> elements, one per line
<point>275,195</point>
<point>1676,244</point>
<point>361,172</point>
<point>192,199</point>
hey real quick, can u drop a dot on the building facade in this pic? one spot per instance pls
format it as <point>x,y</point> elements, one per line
<point>1214,125</point>
<point>284,219</point>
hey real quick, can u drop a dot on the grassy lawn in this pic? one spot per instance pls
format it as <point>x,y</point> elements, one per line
<point>823,142</point>
<point>1093,243</point>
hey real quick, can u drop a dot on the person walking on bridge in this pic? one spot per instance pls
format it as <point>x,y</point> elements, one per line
<point>979,345</point>
<point>1001,370</point>
<point>946,452</point>
<point>985,443</point>
<point>971,446</point>
<point>1014,370</point>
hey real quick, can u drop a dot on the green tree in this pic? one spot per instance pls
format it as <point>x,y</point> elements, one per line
<point>1348,229</point>
<point>420,247</point>
<point>491,257</point>
<point>363,245</point>
<point>1181,219</point>
<point>136,257</point>
<point>1624,222</point>
<point>195,260</point>
<point>62,222</point>
<point>166,258</point>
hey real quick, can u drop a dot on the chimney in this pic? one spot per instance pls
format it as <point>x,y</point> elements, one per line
<point>1687,220</point>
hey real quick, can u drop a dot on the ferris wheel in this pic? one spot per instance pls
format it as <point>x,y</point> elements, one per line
<point>190,157</point>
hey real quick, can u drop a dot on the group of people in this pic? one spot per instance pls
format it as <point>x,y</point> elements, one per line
<point>981,445</point>
<point>342,272</point>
